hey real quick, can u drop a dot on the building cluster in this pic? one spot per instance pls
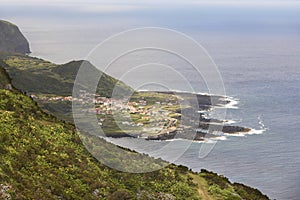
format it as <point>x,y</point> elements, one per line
<point>104,106</point>
<point>53,99</point>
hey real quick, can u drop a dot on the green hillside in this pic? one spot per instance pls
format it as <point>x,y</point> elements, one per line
<point>4,77</point>
<point>43,158</point>
<point>11,39</point>
<point>40,77</point>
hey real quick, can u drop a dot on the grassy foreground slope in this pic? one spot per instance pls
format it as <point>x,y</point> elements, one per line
<point>43,158</point>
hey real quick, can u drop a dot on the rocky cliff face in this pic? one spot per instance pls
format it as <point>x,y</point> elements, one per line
<point>11,39</point>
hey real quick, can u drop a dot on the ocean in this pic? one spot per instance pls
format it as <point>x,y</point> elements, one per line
<point>257,51</point>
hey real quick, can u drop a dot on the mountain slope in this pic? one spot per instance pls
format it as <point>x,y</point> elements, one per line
<point>4,77</point>
<point>11,39</point>
<point>40,77</point>
<point>43,158</point>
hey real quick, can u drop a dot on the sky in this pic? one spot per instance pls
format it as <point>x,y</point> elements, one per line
<point>114,5</point>
<point>129,6</point>
<point>243,14</point>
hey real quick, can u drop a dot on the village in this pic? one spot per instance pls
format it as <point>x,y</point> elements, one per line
<point>139,116</point>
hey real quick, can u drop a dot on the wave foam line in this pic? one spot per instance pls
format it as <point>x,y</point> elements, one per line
<point>232,103</point>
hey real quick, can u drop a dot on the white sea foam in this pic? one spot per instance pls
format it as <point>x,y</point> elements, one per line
<point>261,123</point>
<point>224,122</point>
<point>175,140</point>
<point>180,139</point>
<point>241,134</point>
<point>256,131</point>
<point>232,103</point>
<point>210,141</point>
<point>200,142</point>
<point>223,137</point>
<point>206,140</point>
<point>202,111</point>
<point>230,122</point>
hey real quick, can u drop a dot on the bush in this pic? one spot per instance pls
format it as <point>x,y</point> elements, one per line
<point>121,194</point>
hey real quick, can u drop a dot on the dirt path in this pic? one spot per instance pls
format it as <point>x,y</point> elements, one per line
<point>202,187</point>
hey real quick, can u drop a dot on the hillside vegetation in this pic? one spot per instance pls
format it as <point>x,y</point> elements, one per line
<point>43,158</point>
<point>40,77</point>
<point>4,77</point>
<point>33,75</point>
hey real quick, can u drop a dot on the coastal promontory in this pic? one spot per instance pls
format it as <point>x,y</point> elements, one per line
<point>11,39</point>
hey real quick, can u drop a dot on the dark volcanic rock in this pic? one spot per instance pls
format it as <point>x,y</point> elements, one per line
<point>11,39</point>
<point>163,136</point>
<point>224,129</point>
<point>188,135</point>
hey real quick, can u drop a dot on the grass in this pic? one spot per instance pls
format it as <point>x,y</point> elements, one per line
<point>33,75</point>
<point>43,158</point>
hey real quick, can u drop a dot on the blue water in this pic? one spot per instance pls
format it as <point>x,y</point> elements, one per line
<point>257,50</point>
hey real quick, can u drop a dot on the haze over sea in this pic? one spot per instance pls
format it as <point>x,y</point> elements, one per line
<point>255,45</point>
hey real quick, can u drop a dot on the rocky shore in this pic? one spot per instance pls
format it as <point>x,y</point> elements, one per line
<point>208,127</point>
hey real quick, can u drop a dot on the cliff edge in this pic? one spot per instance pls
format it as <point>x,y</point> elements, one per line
<point>11,39</point>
